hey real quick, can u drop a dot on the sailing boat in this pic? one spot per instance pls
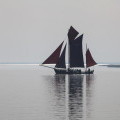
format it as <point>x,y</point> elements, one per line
<point>75,56</point>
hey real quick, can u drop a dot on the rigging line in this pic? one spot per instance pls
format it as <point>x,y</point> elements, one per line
<point>46,66</point>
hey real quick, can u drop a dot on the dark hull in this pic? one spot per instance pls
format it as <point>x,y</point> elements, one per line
<point>65,71</point>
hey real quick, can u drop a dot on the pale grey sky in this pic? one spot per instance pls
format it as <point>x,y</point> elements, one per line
<point>30,30</point>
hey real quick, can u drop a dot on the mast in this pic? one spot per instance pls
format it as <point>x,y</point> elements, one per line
<point>86,57</point>
<point>68,54</point>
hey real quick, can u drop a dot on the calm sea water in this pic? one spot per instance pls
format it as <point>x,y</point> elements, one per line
<point>31,92</point>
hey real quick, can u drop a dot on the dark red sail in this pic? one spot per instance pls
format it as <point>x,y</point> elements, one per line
<point>54,57</point>
<point>72,33</point>
<point>89,59</point>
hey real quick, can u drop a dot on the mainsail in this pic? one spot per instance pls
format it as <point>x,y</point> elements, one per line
<point>61,61</point>
<point>72,33</point>
<point>76,53</point>
<point>54,57</point>
<point>89,59</point>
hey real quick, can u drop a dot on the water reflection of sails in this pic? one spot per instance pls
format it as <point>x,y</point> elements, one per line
<point>69,96</point>
<point>72,96</point>
<point>75,97</point>
<point>89,94</point>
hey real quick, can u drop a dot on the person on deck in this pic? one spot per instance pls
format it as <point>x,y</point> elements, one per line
<point>89,71</point>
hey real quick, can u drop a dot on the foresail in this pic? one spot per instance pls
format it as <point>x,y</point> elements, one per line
<point>61,61</point>
<point>76,53</point>
<point>89,59</point>
<point>54,57</point>
<point>72,33</point>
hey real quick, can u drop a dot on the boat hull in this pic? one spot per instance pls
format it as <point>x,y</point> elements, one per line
<point>66,71</point>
